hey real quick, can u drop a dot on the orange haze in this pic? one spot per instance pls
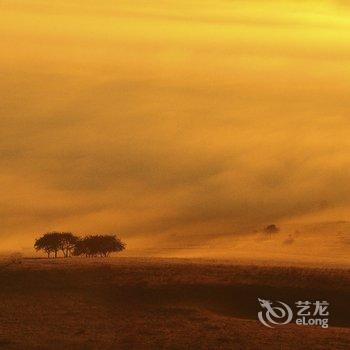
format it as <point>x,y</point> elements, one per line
<point>173,123</point>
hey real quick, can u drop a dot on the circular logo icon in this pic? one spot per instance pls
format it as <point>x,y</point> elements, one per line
<point>274,313</point>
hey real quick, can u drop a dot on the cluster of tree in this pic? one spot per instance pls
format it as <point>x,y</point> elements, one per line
<point>70,244</point>
<point>98,245</point>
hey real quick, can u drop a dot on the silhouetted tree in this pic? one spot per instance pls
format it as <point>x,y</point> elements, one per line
<point>271,229</point>
<point>98,245</point>
<point>110,244</point>
<point>67,243</point>
<point>81,247</point>
<point>50,243</point>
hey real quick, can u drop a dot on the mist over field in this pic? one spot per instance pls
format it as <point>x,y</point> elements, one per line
<point>184,126</point>
<point>174,174</point>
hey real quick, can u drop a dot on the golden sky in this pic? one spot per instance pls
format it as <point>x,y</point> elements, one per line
<point>172,121</point>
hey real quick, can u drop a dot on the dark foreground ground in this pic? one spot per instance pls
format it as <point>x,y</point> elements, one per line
<point>163,304</point>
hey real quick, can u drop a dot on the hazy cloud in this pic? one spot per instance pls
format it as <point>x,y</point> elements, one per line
<point>181,128</point>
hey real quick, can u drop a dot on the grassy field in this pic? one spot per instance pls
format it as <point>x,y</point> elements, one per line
<point>131,303</point>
